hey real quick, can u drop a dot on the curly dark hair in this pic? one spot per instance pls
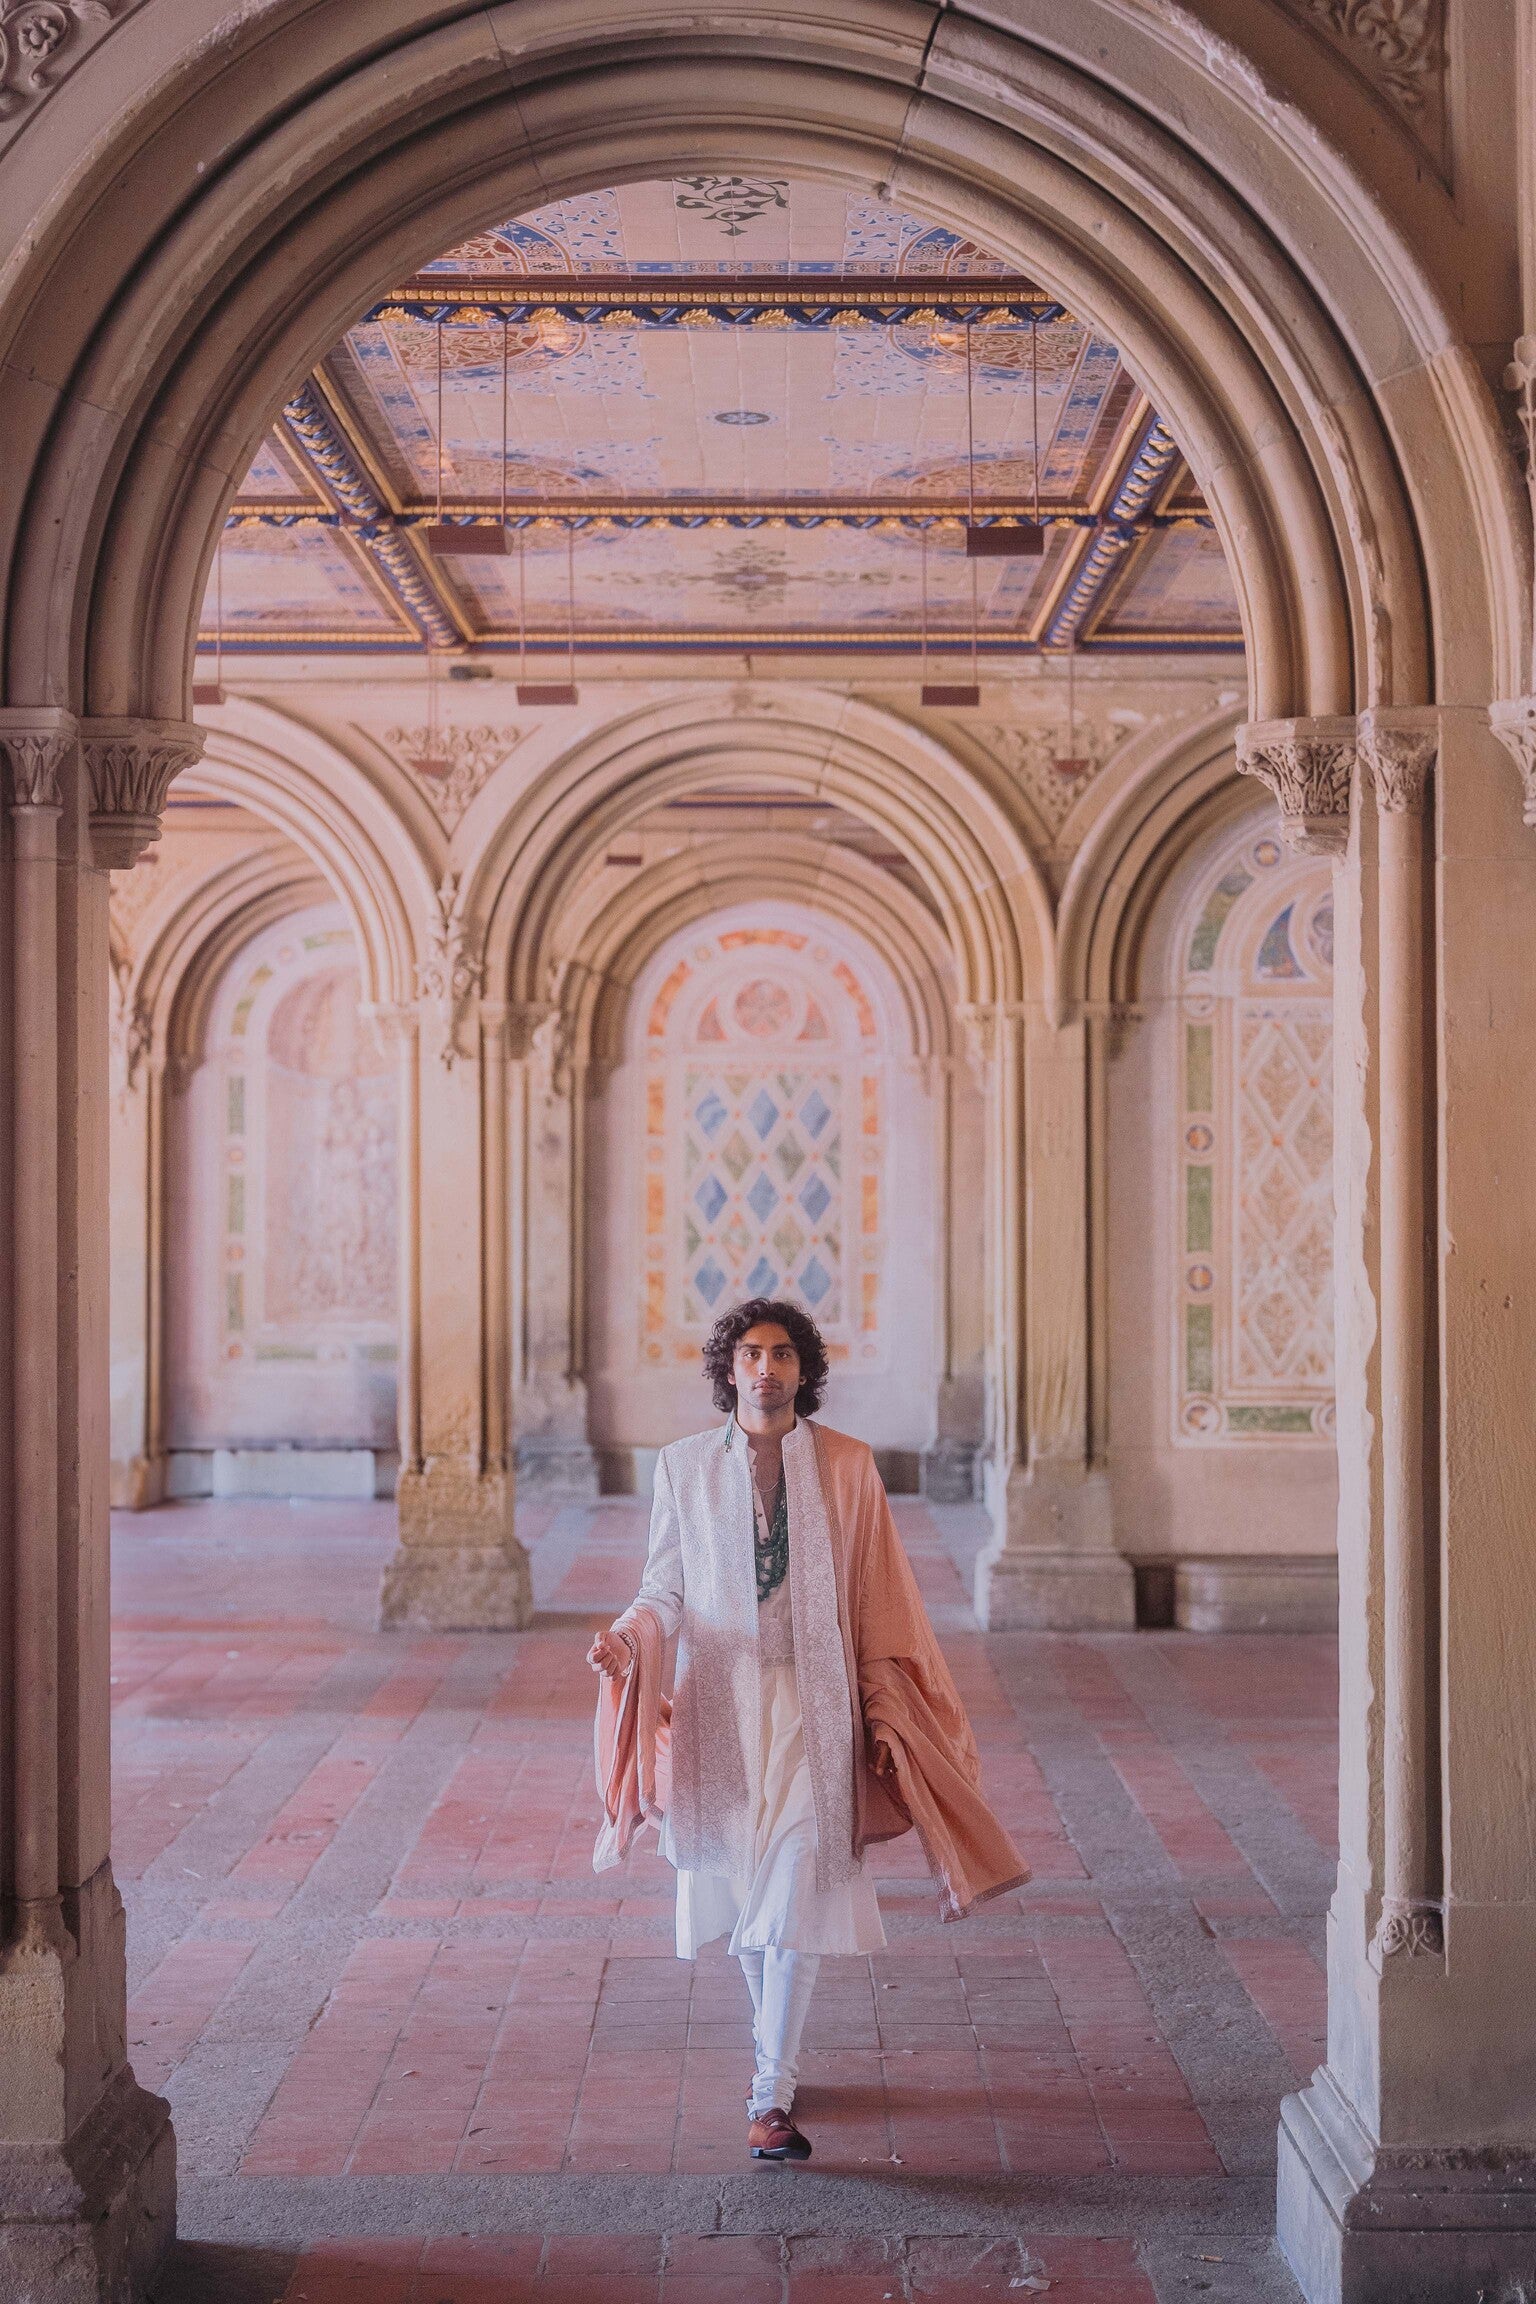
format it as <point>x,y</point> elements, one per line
<point>803,1333</point>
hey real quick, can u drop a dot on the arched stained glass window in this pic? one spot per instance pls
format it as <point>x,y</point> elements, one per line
<point>1253,1336</point>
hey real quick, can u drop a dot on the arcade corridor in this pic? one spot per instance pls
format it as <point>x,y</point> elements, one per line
<point>373,1969</point>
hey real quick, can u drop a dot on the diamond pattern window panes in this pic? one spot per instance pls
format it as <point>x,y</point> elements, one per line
<point>747,1246</point>
<point>1253,1348</point>
<point>765,1134</point>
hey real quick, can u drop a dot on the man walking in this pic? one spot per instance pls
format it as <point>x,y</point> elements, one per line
<point>812,1714</point>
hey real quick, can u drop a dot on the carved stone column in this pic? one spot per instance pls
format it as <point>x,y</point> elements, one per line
<point>548,1139</point>
<point>87,2161</point>
<point>1407,2168</point>
<point>459,1566</point>
<point>1398,752</point>
<point>1052,1562</point>
<point>1309,767</point>
<point>137,1125</point>
<point>952,1467</point>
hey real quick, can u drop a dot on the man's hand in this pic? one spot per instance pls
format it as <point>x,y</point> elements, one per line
<point>610,1655</point>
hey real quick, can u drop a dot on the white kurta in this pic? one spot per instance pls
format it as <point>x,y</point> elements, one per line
<point>769,1896</point>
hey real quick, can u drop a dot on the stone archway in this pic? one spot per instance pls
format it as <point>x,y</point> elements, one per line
<point>155,332</point>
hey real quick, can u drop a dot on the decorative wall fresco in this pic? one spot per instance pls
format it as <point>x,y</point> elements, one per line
<point>286,1280</point>
<point>766,1115</point>
<point>1253,1331</point>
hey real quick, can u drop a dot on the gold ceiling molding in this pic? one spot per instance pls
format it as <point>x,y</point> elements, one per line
<point>1398,46</point>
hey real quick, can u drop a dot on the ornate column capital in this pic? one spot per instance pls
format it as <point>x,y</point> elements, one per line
<point>36,747</point>
<point>1514,724</point>
<point>1398,748</point>
<point>1309,767</point>
<point>394,1025</point>
<point>130,764</point>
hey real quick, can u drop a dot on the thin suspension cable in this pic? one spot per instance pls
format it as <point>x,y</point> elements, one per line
<point>506,331</point>
<point>570,601</point>
<point>975,628</point>
<point>923,535</point>
<point>522,604</point>
<point>1034,407</point>
<point>440,423</point>
<point>970,436</point>
<point>218,610</point>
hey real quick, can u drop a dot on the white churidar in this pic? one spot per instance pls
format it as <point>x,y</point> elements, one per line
<point>781,1984</point>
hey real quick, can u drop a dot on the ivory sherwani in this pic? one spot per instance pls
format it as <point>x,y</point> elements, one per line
<point>886,1743</point>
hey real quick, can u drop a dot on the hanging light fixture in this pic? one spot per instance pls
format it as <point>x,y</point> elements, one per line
<point>548,691</point>
<point>474,541</point>
<point>952,693</point>
<point>1025,540</point>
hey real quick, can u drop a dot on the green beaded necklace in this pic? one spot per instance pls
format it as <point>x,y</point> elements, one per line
<point>772,1551</point>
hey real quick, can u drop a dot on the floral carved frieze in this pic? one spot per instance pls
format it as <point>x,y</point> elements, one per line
<point>1309,767</point>
<point>41,42</point>
<point>35,759</point>
<point>451,765</point>
<point>130,764</point>
<point>1398,46</point>
<point>1053,765</point>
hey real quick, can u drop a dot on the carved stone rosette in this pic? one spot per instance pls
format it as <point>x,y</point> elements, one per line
<point>1514,724</point>
<point>1397,751</point>
<point>130,764</point>
<point>1309,767</point>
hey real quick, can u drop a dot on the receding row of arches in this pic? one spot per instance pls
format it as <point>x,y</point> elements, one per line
<point>747,1056</point>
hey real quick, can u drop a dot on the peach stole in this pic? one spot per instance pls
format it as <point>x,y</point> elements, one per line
<point>917,1766</point>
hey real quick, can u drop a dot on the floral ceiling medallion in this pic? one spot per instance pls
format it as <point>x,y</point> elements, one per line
<point>734,202</point>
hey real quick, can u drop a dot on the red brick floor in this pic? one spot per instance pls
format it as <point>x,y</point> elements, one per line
<point>374,1964</point>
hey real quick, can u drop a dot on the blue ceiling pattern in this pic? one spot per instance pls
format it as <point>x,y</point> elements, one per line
<point>718,414</point>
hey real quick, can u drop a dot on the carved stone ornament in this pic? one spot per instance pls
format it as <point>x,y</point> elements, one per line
<point>35,759</point>
<point>448,979</point>
<point>1398,46</point>
<point>1309,767</point>
<point>131,1030</point>
<point>1410,1930</point>
<point>1397,751</point>
<point>41,41</point>
<point>130,764</point>
<point>451,764</point>
<point>1514,724</point>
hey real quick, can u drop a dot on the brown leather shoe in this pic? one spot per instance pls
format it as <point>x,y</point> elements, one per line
<point>774,2136</point>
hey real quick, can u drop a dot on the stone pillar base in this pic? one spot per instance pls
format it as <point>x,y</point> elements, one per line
<point>1053,1566</point>
<point>560,1470</point>
<point>136,1482</point>
<point>1359,2225</point>
<point>948,1473</point>
<point>458,1567</point>
<point>88,2222</point>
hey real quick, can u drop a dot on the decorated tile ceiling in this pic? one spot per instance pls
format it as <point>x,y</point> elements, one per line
<point>718,413</point>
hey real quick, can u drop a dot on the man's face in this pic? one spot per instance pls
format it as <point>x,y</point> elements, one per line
<point>766,1367</point>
